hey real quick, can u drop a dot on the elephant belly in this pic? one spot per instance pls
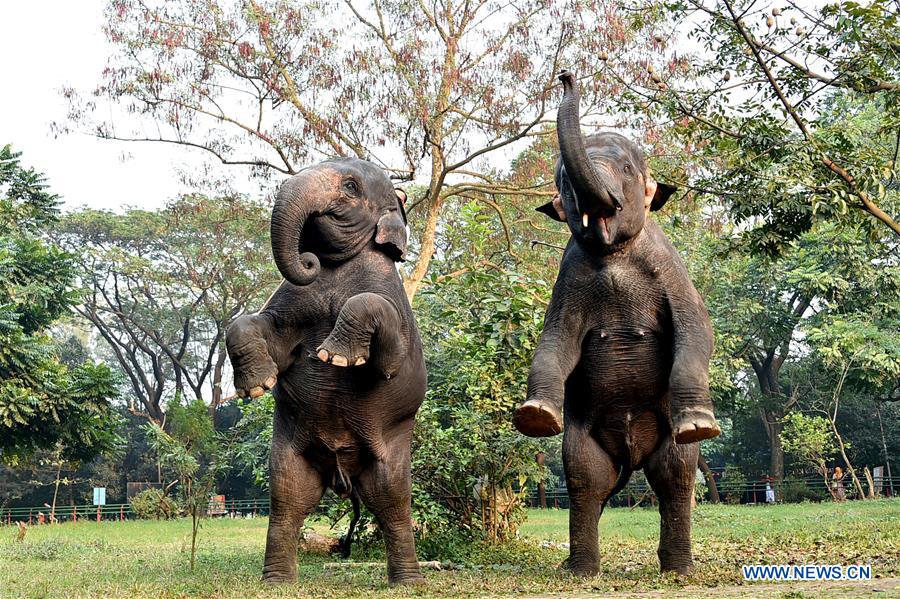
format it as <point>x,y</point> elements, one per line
<point>624,367</point>
<point>620,389</point>
<point>347,410</point>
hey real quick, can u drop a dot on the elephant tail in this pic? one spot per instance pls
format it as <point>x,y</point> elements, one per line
<point>347,540</point>
<point>624,476</point>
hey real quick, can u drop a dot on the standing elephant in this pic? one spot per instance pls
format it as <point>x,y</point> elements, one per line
<point>338,344</point>
<point>625,346</point>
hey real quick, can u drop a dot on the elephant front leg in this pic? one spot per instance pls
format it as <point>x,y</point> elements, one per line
<point>590,477</point>
<point>368,330</point>
<point>248,344</point>
<point>690,406</point>
<point>557,354</point>
<point>671,471</point>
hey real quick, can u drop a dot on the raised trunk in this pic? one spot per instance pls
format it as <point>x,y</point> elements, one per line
<point>591,186</point>
<point>293,206</point>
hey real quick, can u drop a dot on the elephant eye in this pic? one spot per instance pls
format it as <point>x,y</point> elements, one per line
<point>351,187</point>
<point>627,168</point>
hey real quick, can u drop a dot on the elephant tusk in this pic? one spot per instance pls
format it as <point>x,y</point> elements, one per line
<point>584,220</point>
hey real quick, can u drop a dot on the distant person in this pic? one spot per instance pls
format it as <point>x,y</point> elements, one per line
<point>770,492</point>
<point>837,484</point>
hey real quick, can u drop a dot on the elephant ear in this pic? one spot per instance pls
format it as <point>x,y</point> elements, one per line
<point>401,201</point>
<point>663,192</point>
<point>550,211</point>
<point>390,231</point>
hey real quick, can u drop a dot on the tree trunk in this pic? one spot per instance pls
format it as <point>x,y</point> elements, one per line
<point>772,422</point>
<point>710,479</point>
<point>542,493</point>
<point>887,460</point>
<point>856,483</point>
<point>56,487</point>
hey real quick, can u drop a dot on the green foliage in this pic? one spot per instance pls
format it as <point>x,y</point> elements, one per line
<point>467,456</point>
<point>161,288</point>
<point>810,439</point>
<point>252,438</point>
<point>797,491</point>
<point>732,484</point>
<point>44,403</point>
<point>789,116</point>
<point>153,504</point>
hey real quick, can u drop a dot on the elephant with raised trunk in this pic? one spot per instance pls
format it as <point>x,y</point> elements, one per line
<point>338,345</point>
<point>625,347</point>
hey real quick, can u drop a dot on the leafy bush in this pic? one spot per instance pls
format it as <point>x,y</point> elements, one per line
<point>797,491</point>
<point>153,504</point>
<point>733,484</point>
<point>471,466</point>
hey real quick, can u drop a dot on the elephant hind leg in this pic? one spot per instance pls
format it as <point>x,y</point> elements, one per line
<point>296,488</point>
<point>591,477</point>
<point>386,490</point>
<point>670,471</point>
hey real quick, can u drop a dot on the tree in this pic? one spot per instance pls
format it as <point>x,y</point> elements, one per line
<point>467,455</point>
<point>44,404</point>
<point>430,91</point>
<point>192,452</point>
<point>162,287</point>
<point>772,107</point>
<point>810,439</point>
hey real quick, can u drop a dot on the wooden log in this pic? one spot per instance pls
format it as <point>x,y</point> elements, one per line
<point>430,565</point>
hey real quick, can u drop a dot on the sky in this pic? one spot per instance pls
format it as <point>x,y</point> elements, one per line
<point>45,45</point>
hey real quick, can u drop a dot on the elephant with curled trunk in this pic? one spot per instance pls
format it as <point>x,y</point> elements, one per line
<point>625,347</point>
<point>338,344</point>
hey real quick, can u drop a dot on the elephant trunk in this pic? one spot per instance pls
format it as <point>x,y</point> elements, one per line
<point>591,186</point>
<point>293,206</point>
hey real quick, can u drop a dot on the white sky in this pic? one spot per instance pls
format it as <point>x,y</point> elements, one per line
<point>46,45</point>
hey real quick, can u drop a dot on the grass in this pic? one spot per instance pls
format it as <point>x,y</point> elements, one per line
<point>151,559</point>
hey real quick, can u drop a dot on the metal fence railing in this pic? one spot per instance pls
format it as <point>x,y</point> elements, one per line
<point>731,492</point>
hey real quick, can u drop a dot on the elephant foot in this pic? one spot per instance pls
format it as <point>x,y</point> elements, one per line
<point>537,419</point>
<point>695,424</point>
<point>342,349</point>
<point>682,569</point>
<point>278,578</point>
<point>580,568</point>
<point>414,580</point>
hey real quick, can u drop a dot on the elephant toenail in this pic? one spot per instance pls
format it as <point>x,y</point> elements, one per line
<point>339,360</point>
<point>256,392</point>
<point>323,355</point>
<point>359,361</point>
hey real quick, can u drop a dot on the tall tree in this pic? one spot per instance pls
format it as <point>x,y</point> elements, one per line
<point>770,106</point>
<point>44,404</point>
<point>162,287</point>
<point>431,91</point>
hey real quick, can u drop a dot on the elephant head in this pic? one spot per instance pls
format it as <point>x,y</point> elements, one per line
<point>331,212</point>
<point>605,187</point>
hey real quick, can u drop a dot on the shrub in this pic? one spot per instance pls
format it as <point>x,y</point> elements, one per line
<point>797,491</point>
<point>153,504</point>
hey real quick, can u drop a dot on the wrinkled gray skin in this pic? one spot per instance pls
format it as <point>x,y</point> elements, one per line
<point>339,344</point>
<point>625,346</point>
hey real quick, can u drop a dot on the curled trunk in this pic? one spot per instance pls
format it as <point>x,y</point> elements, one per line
<point>590,185</point>
<point>293,207</point>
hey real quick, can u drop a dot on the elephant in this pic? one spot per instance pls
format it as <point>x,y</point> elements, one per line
<point>625,347</point>
<point>338,346</point>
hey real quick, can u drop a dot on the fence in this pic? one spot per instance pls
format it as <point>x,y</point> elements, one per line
<point>791,490</point>
<point>746,492</point>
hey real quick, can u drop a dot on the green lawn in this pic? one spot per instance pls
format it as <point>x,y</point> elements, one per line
<point>150,559</point>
